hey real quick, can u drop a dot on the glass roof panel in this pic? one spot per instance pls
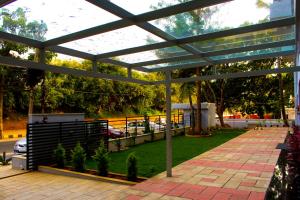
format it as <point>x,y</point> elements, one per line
<point>233,14</point>
<point>119,39</point>
<point>247,39</point>
<point>62,17</point>
<point>139,7</point>
<point>153,55</point>
<point>254,53</point>
<point>177,64</point>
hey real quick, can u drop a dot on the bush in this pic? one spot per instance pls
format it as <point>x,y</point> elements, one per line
<point>78,158</point>
<point>102,159</point>
<point>3,159</point>
<point>60,156</point>
<point>132,170</point>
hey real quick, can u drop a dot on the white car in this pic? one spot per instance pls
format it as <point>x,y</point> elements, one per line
<point>20,146</point>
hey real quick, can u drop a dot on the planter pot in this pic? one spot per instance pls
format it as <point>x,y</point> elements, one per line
<point>90,175</point>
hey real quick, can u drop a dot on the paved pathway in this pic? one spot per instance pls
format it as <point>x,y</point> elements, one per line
<point>38,186</point>
<point>239,169</point>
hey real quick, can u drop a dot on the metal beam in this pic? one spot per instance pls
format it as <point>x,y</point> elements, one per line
<point>238,74</point>
<point>22,40</point>
<point>223,61</point>
<point>65,70</point>
<point>163,12</point>
<point>88,32</point>
<point>5,2</point>
<point>120,12</point>
<point>203,37</point>
<point>87,56</point>
<point>216,53</point>
<point>169,154</point>
<point>59,49</point>
<point>183,7</point>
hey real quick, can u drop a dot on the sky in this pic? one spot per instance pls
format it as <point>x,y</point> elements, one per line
<point>68,16</point>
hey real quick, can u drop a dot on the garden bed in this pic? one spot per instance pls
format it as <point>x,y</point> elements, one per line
<point>90,175</point>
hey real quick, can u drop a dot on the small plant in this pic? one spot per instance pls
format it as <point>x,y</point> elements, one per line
<point>102,159</point>
<point>78,158</point>
<point>60,156</point>
<point>132,170</point>
<point>3,159</point>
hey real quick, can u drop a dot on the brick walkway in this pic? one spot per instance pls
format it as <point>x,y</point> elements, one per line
<point>239,169</point>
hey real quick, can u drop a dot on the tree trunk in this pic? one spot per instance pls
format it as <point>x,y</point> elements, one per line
<point>281,97</point>
<point>31,100</point>
<point>220,108</point>
<point>198,116</point>
<point>43,95</point>
<point>1,105</point>
<point>192,114</point>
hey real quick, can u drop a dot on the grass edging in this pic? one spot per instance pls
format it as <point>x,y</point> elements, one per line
<point>62,172</point>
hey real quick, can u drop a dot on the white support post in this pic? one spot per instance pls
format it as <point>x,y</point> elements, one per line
<point>297,63</point>
<point>169,154</point>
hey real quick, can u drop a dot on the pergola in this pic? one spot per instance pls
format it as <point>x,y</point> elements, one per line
<point>273,38</point>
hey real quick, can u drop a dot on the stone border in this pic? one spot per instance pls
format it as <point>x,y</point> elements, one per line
<point>62,172</point>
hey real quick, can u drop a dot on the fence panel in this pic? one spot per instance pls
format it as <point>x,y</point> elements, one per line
<point>43,138</point>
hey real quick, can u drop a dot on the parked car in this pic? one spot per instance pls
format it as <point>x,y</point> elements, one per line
<point>20,146</point>
<point>114,132</point>
<point>139,125</point>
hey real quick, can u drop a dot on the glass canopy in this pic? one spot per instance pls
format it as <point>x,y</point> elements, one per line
<point>152,35</point>
<point>63,17</point>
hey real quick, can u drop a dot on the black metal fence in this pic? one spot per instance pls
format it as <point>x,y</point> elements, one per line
<point>43,138</point>
<point>129,126</point>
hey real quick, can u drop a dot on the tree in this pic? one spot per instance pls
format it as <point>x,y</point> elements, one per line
<point>12,22</point>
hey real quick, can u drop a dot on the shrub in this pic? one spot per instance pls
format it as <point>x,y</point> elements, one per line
<point>60,156</point>
<point>132,170</point>
<point>3,159</point>
<point>102,159</point>
<point>78,158</point>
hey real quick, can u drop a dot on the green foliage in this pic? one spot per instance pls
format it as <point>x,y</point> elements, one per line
<point>78,158</point>
<point>3,161</point>
<point>102,159</point>
<point>132,170</point>
<point>60,156</point>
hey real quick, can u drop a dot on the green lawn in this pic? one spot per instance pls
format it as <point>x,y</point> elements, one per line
<point>151,156</point>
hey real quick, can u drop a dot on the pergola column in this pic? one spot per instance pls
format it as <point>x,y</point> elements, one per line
<point>297,64</point>
<point>169,147</point>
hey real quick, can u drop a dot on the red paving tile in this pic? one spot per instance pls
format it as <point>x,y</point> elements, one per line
<point>222,196</point>
<point>257,196</point>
